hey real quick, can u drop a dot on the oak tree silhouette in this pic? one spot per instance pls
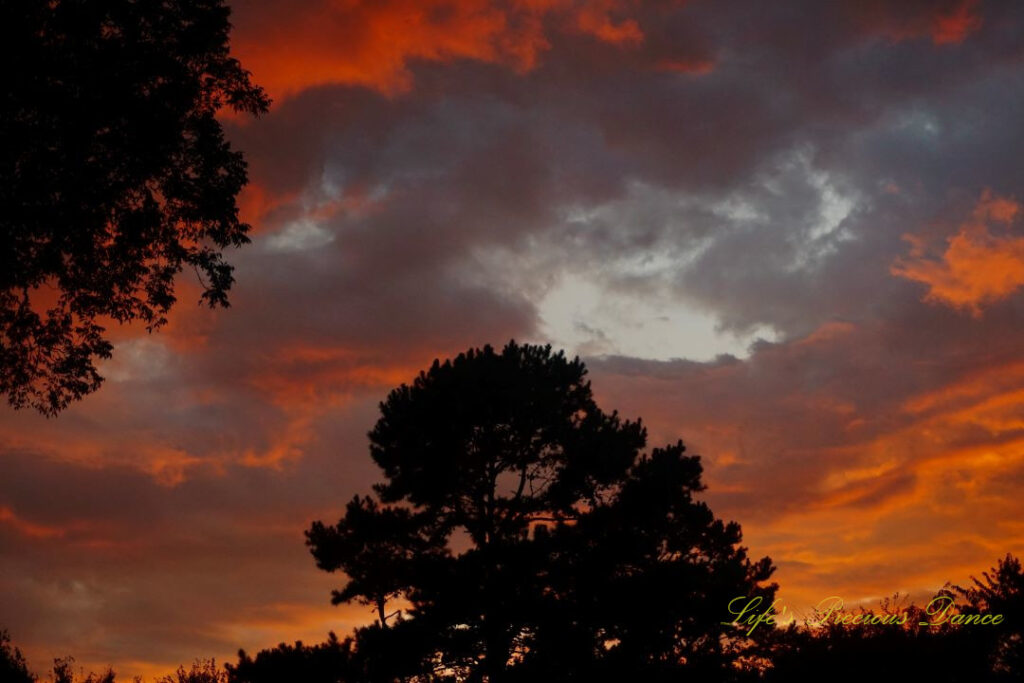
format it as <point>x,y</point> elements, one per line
<point>520,532</point>
<point>114,176</point>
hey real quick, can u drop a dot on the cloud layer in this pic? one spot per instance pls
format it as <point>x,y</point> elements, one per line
<point>789,233</point>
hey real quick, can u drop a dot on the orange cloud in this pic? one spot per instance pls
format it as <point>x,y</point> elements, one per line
<point>826,333</point>
<point>956,25</point>
<point>167,465</point>
<point>594,19</point>
<point>857,476</point>
<point>946,23</point>
<point>358,42</point>
<point>267,625</point>
<point>977,267</point>
<point>306,382</point>
<point>256,202</point>
<point>934,481</point>
<point>695,67</point>
<point>997,380</point>
<point>26,528</point>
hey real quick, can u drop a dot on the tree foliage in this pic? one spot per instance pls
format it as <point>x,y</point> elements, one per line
<point>328,662</point>
<point>947,652</point>
<point>1001,591</point>
<point>13,668</point>
<point>376,547</point>
<point>114,176</point>
<point>64,672</point>
<point>524,534</point>
<point>201,671</point>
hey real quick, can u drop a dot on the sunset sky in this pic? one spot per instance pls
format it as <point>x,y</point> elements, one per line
<point>789,233</point>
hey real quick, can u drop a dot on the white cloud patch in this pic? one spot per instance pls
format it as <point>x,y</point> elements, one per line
<point>300,235</point>
<point>589,318</point>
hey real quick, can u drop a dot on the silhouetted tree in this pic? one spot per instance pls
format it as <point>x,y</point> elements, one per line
<point>114,176</point>
<point>107,676</point>
<point>375,547</point>
<point>13,668</point>
<point>328,662</point>
<point>201,671</point>
<point>528,536</point>
<point>1001,591</point>
<point>63,672</point>
<point>639,585</point>
<point>850,652</point>
<point>947,653</point>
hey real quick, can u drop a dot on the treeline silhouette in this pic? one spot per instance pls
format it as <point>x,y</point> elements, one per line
<point>792,654</point>
<point>521,533</point>
<point>801,651</point>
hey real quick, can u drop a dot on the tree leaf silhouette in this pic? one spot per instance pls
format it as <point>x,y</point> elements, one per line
<point>114,177</point>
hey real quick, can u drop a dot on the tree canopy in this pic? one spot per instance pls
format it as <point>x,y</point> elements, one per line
<point>523,533</point>
<point>115,175</point>
<point>13,668</point>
